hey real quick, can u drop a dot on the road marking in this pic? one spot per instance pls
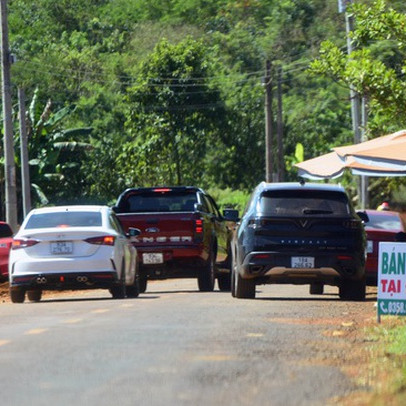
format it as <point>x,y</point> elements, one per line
<point>254,335</point>
<point>100,311</point>
<point>36,331</point>
<point>4,342</point>
<point>71,321</point>
<point>219,357</point>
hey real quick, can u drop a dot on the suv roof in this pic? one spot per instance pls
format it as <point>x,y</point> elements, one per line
<point>301,186</point>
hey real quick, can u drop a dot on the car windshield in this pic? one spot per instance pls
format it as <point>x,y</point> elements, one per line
<point>65,219</point>
<point>303,202</point>
<point>384,222</point>
<point>162,202</point>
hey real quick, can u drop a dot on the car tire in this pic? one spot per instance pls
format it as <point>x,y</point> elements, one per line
<point>244,288</point>
<point>224,282</point>
<point>133,290</point>
<point>352,290</point>
<point>143,282</point>
<point>118,291</point>
<point>316,288</point>
<point>17,295</point>
<point>206,277</point>
<point>34,295</point>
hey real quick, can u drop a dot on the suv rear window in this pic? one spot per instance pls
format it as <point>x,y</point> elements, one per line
<point>161,202</point>
<point>303,202</point>
<point>65,219</point>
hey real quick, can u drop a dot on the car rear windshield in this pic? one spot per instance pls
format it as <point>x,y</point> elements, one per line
<point>384,222</point>
<point>161,202</point>
<point>303,203</point>
<point>5,231</point>
<point>65,219</point>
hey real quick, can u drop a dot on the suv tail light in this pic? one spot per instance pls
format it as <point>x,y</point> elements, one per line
<point>352,224</point>
<point>102,240</point>
<point>199,227</point>
<point>23,243</point>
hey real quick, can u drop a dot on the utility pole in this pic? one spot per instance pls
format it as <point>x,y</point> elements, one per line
<point>281,157</point>
<point>364,179</point>
<point>25,173</point>
<point>9,166</point>
<point>268,123</point>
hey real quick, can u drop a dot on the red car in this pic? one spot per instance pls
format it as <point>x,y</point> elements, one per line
<point>382,226</point>
<point>6,237</point>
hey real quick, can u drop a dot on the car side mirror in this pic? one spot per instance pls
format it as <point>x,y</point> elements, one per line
<point>116,209</point>
<point>133,232</point>
<point>363,216</point>
<point>400,236</point>
<point>198,207</point>
<point>231,215</point>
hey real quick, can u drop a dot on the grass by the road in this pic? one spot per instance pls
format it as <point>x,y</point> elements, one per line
<point>388,361</point>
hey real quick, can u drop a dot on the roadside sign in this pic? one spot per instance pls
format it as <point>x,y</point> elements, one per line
<point>392,279</point>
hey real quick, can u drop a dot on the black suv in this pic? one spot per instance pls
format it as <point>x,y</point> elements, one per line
<point>295,233</point>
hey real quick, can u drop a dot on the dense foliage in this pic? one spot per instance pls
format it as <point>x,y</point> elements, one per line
<point>143,92</point>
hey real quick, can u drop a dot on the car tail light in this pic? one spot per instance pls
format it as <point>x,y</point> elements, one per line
<point>352,224</point>
<point>199,226</point>
<point>162,190</point>
<point>262,256</point>
<point>345,257</point>
<point>102,240</point>
<point>23,243</point>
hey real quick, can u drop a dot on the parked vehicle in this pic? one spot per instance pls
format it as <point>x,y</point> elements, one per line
<point>300,234</point>
<point>72,247</point>
<point>382,226</point>
<point>183,234</point>
<point>6,237</point>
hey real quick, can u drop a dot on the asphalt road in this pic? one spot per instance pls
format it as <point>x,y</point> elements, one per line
<point>176,346</point>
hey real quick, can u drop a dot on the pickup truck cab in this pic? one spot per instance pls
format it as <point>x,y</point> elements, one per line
<point>182,235</point>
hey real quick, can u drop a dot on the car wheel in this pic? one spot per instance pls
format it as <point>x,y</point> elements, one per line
<point>133,290</point>
<point>352,290</point>
<point>316,289</point>
<point>244,288</point>
<point>17,295</point>
<point>206,277</point>
<point>142,282</point>
<point>224,282</point>
<point>34,295</point>
<point>118,291</point>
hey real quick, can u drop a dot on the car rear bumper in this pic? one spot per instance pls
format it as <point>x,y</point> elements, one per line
<point>274,267</point>
<point>65,281</point>
<point>177,262</point>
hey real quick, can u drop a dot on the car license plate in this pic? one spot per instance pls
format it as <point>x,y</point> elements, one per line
<point>370,247</point>
<point>302,262</point>
<point>153,258</point>
<point>61,247</point>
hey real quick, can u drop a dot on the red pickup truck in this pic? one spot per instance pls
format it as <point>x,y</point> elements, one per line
<point>183,234</point>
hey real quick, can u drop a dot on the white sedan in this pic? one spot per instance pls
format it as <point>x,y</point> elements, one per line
<point>72,247</point>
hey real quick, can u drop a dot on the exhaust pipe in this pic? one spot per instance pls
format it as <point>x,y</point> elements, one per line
<point>82,279</point>
<point>41,280</point>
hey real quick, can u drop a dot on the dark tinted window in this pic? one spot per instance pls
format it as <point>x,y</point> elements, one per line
<point>161,202</point>
<point>303,202</point>
<point>5,231</point>
<point>65,219</point>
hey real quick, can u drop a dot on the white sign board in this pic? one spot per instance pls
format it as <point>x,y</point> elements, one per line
<point>392,278</point>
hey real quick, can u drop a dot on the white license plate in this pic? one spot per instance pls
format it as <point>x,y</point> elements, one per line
<point>302,262</point>
<point>61,247</point>
<point>153,258</point>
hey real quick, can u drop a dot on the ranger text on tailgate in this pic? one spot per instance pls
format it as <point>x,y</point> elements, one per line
<point>182,235</point>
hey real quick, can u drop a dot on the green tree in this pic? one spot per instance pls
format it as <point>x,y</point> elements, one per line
<point>175,113</point>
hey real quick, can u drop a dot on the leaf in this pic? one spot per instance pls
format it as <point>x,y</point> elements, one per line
<point>41,196</point>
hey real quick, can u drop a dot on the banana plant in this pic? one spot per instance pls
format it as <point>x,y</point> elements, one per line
<point>55,153</point>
